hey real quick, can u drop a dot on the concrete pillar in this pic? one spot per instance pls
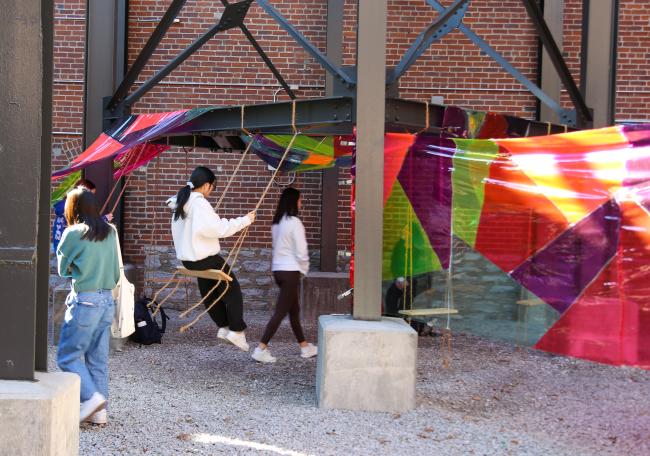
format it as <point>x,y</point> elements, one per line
<point>369,203</point>
<point>366,362</point>
<point>40,418</point>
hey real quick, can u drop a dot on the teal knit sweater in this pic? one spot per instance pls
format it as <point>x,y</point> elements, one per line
<point>91,265</point>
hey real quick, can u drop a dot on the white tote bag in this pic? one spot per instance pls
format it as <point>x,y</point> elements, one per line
<point>124,295</point>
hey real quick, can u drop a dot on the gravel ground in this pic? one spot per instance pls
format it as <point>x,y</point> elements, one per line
<point>192,395</point>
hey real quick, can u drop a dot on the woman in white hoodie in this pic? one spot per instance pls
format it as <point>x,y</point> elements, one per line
<point>196,229</point>
<point>290,260</point>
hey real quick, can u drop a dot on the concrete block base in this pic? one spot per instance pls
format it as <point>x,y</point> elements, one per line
<point>366,365</point>
<point>41,417</point>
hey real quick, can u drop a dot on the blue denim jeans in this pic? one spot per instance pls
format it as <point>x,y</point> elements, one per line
<point>85,336</point>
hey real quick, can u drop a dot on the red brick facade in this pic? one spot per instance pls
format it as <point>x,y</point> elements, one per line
<point>227,71</point>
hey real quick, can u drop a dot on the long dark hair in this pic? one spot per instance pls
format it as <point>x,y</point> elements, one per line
<point>81,206</point>
<point>288,204</point>
<point>200,176</point>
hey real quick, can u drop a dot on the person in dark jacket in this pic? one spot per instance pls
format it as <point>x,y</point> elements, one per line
<point>60,224</point>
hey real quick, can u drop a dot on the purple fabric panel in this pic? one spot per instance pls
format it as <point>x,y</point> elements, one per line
<point>455,123</point>
<point>426,178</point>
<point>558,273</point>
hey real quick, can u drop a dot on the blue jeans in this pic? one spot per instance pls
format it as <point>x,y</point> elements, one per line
<point>85,336</point>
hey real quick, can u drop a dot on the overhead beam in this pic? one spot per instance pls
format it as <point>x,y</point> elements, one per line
<point>369,206</point>
<point>147,51</point>
<point>584,117</point>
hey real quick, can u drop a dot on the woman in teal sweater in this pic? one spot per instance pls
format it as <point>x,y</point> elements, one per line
<point>88,255</point>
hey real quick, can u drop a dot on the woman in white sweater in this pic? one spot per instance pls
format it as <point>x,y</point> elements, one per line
<point>290,260</point>
<point>196,229</point>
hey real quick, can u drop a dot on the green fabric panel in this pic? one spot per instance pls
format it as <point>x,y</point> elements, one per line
<point>317,145</point>
<point>395,245</point>
<point>472,163</point>
<point>64,187</point>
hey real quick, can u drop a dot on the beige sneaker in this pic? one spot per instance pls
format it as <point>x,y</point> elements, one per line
<point>238,339</point>
<point>100,417</point>
<point>96,403</point>
<point>263,356</point>
<point>309,351</point>
<point>222,333</point>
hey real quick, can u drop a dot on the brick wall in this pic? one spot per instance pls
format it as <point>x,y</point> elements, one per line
<point>228,71</point>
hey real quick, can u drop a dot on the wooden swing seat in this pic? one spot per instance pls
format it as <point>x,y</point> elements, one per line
<point>428,312</point>
<point>212,274</point>
<point>531,302</point>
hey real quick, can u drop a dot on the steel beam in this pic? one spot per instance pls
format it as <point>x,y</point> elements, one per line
<point>147,51</point>
<point>503,62</point>
<point>321,58</point>
<point>233,16</point>
<point>317,116</point>
<point>449,20</point>
<point>25,127</point>
<point>369,207</point>
<point>584,114</point>
<point>329,176</point>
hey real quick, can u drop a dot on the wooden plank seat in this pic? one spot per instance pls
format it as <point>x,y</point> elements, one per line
<point>531,302</point>
<point>428,312</point>
<point>212,274</point>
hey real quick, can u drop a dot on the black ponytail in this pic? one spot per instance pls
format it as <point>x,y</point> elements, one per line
<point>200,176</point>
<point>288,204</point>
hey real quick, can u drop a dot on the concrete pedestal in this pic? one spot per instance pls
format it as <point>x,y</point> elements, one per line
<point>366,365</point>
<point>41,417</point>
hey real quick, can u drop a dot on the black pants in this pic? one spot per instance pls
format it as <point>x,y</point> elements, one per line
<point>230,310</point>
<point>288,303</point>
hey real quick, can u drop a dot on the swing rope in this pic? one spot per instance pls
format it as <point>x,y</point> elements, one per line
<point>234,253</point>
<point>241,161</point>
<point>130,160</point>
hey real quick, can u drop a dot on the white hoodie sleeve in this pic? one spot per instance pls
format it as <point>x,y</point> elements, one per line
<point>300,245</point>
<point>208,224</point>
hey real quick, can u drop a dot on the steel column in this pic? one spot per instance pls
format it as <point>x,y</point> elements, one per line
<point>370,108</point>
<point>329,178</point>
<point>25,126</point>
<point>584,117</point>
<point>104,21</point>
<point>600,74</point>
<point>550,81</point>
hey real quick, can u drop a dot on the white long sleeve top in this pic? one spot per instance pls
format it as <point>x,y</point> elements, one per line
<point>290,246</point>
<point>197,235</point>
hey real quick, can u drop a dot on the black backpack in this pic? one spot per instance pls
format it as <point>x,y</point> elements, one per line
<point>147,331</point>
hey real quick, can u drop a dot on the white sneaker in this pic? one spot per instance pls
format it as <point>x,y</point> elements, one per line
<point>309,351</point>
<point>238,339</point>
<point>263,355</point>
<point>222,333</point>
<point>100,417</point>
<point>96,403</point>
